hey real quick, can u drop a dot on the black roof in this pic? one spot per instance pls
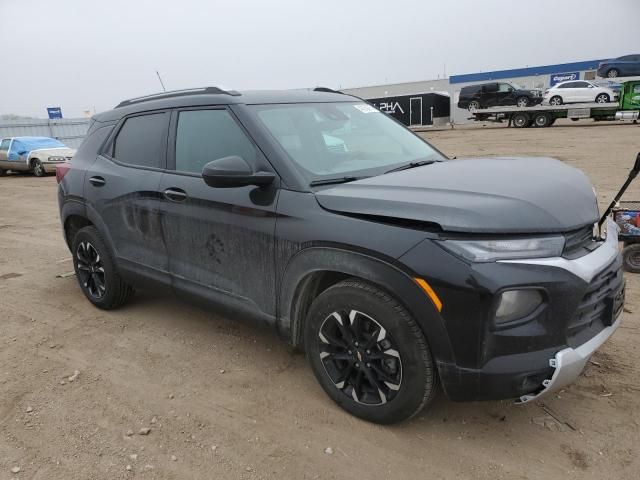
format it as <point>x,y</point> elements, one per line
<point>217,96</point>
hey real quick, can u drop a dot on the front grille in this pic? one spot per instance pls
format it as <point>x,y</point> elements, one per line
<point>579,242</point>
<point>594,311</point>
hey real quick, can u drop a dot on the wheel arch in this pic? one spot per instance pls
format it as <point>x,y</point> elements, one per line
<point>314,269</point>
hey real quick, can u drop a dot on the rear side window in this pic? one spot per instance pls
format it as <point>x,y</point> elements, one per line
<point>4,145</point>
<point>142,141</point>
<point>470,90</point>
<point>490,87</point>
<point>206,135</point>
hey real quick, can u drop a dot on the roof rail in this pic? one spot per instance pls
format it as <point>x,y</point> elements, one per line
<point>327,90</point>
<point>178,93</point>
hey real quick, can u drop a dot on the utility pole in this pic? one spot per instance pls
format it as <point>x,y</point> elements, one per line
<point>161,82</point>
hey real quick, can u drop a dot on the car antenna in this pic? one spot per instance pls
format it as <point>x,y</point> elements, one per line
<point>632,174</point>
<point>161,82</point>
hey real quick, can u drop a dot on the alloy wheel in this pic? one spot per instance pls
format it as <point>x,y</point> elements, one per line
<point>555,101</point>
<point>38,169</point>
<point>473,105</point>
<point>522,102</point>
<point>91,270</point>
<point>602,98</point>
<point>613,73</point>
<point>634,260</point>
<point>360,357</point>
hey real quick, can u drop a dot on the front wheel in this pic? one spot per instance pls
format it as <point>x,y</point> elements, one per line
<point>96,271</point>
<point>37,168</point>
<point>631,258</point>
<point>522,102</point>
<point>602,98</point>
<point>368,353</point>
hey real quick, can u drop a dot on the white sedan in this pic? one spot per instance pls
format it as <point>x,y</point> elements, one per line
<point>578,91</point>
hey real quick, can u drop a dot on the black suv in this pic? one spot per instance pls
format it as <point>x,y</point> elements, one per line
<point>494,94</point>
<point>311,211</point>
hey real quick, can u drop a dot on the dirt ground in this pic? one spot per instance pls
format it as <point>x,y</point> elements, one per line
<point>224,400</point>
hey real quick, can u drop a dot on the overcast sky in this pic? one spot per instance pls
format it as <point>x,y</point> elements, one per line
<point>81,54</point>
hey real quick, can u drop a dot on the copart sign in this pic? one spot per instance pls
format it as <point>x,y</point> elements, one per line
<point>563,77</point>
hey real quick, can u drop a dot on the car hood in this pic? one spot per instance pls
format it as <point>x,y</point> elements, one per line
<point>485,195</point>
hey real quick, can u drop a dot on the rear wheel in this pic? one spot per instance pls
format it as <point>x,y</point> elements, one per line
<point>96,271</point>
<point>37,168</point>
<point>368,353</point>
<point>631,258</point>
<point>522,102</point>
<point>520,120</point>
<point>613,73</point>
<point>474,105</point>
<point>542,120</point>
<point>555,100</point>
<point>2,172</point>
<point>602,98</point>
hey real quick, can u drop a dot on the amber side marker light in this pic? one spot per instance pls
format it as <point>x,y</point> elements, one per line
<point>430,293</point>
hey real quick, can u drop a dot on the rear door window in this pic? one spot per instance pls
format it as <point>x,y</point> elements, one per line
<point>142,140</point>
<point>4,145</point>
<point>206,135</point>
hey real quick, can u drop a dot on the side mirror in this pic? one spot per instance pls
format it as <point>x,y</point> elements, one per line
<point>234,171</point>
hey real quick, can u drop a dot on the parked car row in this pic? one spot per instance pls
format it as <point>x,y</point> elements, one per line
<point>500,94</point>
<point>38,155</point>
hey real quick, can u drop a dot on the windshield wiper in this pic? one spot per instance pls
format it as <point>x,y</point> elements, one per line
<point>412,165</point>
<point>331,181</point>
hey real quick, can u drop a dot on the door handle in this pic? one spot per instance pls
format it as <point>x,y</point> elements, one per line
<point>175,194</point>
<point>97,181</point>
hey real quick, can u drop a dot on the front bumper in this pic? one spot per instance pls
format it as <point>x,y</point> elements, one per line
<point>569,363</point>
<point>50,167</point>
<point>537,354</point>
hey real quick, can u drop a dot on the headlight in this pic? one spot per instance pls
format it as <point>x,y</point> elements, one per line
<point>514,304</point>
<point>56,158</point>
<point>507,249</point>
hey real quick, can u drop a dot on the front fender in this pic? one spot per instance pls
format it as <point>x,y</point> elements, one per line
<point>391,277</point>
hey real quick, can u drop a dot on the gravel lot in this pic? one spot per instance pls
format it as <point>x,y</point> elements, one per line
<point>224,400</point>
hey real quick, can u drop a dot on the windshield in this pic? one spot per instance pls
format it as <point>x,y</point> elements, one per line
<point>326,140</point>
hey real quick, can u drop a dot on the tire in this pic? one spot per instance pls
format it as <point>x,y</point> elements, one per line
<point>473,105</point>
<point>2,172</point>
<point>603,98</point>
<point>542,120</point>
<point>631,258</point>
<point>37,168</point>
<point>520,120</point>
<point>522,102</point>
<point>96,271</point>
<point>555,100</point>
<point>613,73</point>
<point>402,356</point>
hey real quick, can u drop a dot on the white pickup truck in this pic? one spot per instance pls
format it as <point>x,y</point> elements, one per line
<point>39,155</point>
